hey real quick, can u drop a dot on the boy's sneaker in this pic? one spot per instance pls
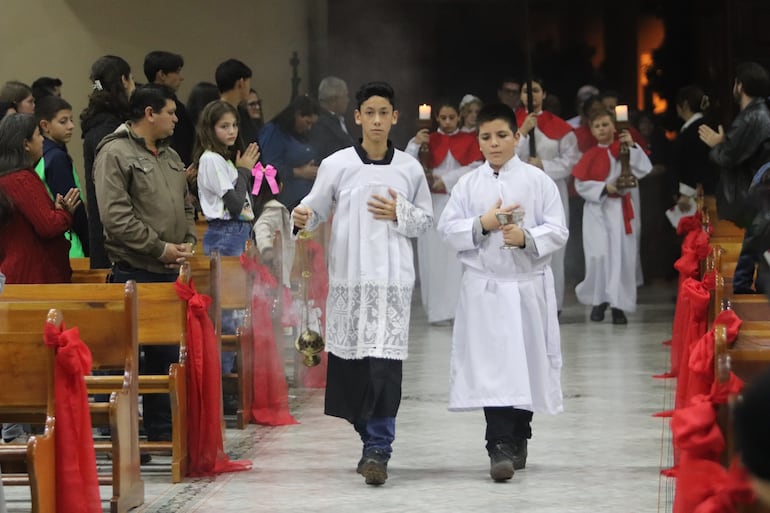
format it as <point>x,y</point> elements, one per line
<point>501,462</point>
<point>519,453</point>
<point>374,467</point>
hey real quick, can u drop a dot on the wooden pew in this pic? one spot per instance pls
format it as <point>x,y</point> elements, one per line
<point>106,316</point>
<point>27,395</point>
<point>161,321</point>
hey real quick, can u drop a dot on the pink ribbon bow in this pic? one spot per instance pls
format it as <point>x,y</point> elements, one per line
<point>268,173</point>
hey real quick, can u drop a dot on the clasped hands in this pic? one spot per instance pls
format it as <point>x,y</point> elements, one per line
<point>175,255</point>
<point>69,202</point>
<point>513,234</point>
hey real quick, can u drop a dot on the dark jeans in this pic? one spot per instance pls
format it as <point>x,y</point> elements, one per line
<point>156,360</point>
<point>506,423</point>
<point>377,433</point>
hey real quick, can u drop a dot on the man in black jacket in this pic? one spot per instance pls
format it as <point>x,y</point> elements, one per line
<point>740,152</point>
<point>330,134</point>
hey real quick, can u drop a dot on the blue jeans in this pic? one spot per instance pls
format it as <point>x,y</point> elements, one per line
<point>377,433</point>
<point>229,239</point>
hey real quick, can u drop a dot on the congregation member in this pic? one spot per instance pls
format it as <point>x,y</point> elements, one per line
<point>148,222</point>
<point>583,94</point>
<point>509,93</point>
<point>739,153</point>
<point>453,153</point>
<point>556,153</point>
<point>233,80</point>
<point>506,351</point>
<point>55,167</point>
<point>752,424</point>
<point>201,95</point>
<point>285,144</point>
<point>611,222</point>
<point>19,96</point>
<point>382,201</point>
<point>33,248</point>
<point>46,86</point>
<point>469,110</point>
<point>330,133</point>
<point>112,84</point>
<point>165,68</point>
<point>691,163</point>
<point>251,116</point>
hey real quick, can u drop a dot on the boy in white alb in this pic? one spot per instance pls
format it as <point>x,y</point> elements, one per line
<point>382,201</point>
<point>506,351</point>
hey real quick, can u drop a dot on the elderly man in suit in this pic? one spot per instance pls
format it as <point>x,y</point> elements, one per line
<point>330,134</point>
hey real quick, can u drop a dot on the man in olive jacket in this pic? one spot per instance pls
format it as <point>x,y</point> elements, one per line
<point>148,221</point>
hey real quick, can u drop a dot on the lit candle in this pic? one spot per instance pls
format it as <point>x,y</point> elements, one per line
<point>621,112</point>
<point>424,111</point>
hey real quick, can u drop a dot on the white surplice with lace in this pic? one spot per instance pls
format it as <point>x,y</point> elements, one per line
<point>371,269</point>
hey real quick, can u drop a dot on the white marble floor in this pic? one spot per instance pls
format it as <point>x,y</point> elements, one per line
<point>602,455</point>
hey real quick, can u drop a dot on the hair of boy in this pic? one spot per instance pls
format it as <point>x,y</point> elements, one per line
<point>597,113</point>
<point>369,89</point>
<point>154,96</point>
<point>205,131</point>
<point>160,60</point>
<point>230,72</point>
<point>14,92</point>
<point>590,104</point>
<point>694,97</point>
<point>45,86</point>
<point>48,106</point>
<point>445,102</point>
<point>302,105</point>
<point>754,79</point>
<point>500,111</point>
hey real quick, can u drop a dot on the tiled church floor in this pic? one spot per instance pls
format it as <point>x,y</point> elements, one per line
<point>602,455</point>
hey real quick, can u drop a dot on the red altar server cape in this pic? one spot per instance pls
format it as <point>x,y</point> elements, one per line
<point>552,126</point>
<point>463,145</point>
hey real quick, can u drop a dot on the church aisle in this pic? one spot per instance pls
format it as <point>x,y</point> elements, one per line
<point>602,454</point>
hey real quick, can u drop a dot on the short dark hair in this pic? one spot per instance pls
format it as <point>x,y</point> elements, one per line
<point>229,72</point>
<point>508,78</point>
<point>754,79</point>
<point>495,111</point>
<point>48,106</point>
<point>370,89</point>
<point>44,86</point>
<point>149,95</point>
<point>694,97</point>
<point>159,60</point>
<point>201,95</point>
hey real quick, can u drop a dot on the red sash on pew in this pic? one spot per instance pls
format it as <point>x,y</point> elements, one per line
<point>77,485</point>
<point>270,405</point>
<point>204,390</point>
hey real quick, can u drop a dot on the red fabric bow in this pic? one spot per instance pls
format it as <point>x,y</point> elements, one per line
<point>694,249</point>
<point>268,173</point>
<point>701,362</point>
<point>696,432</point>
<point>77,484</point>
<point>689,224</point>
<point>204,389</point>
<point>707,487</point>
<point>270,404</point>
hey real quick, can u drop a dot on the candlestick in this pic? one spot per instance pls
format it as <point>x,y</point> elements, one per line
<point>424,111</point>
<point>621,113</point>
